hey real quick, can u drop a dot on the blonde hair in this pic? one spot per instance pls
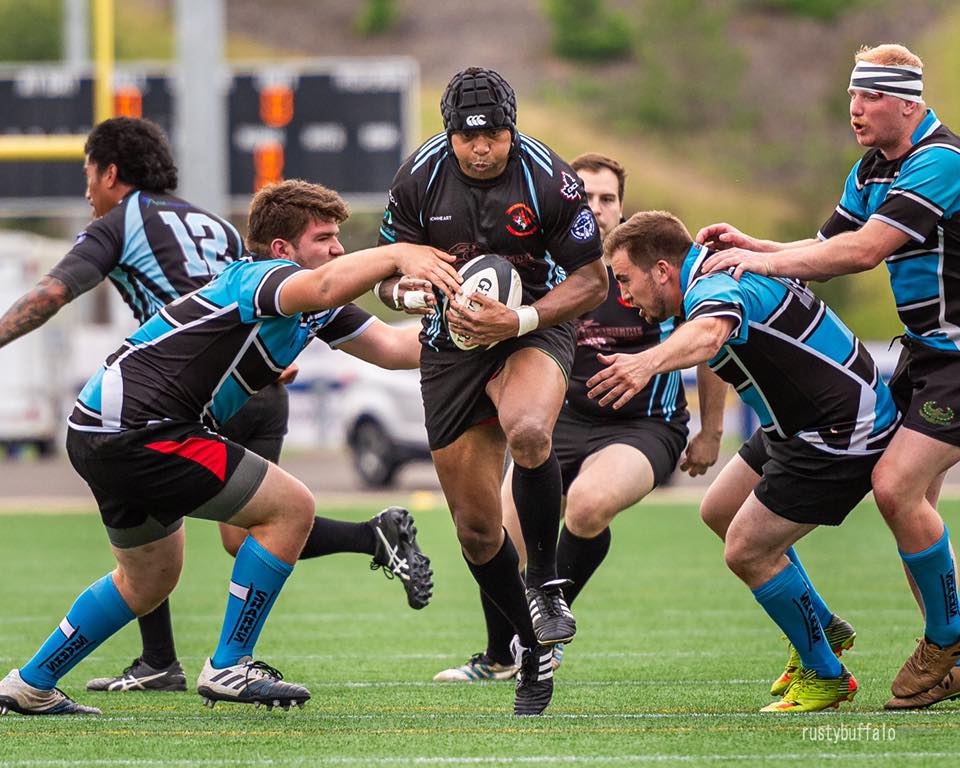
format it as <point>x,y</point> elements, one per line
<point>888,55</point>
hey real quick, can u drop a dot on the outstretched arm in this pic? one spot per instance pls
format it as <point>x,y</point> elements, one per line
<point>719,237</point>
<point>33,309</point>
<point>340,281</point>
<point>841,254</point>
<point>694,342</point>
<point>386,346</point>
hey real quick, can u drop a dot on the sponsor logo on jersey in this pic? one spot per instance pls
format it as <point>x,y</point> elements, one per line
<point>66,652</point>
<point>813,624</point>
<point>605,337</point>
<point>584,227</point>
<point>391,198</point>
<point>950,588</point>
<point>80,237</point>
<point>569,188</point>
<point>475,121</point>
<point>446,217</point>
<point>941,417</point>
<point>250,617</point>
<point>522,221</point>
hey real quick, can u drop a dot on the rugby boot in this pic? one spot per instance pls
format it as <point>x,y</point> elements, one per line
<point>18,696</point>
<point>946,689</point>
<point>926,667</point>
<point>249,682</point>
<point>839,634</point>
<point>399,555</point>
<point>552,620</point>
<point>477,667</point>
<point>534,678</point>
<point>140,676</point>
<point>810,693</point>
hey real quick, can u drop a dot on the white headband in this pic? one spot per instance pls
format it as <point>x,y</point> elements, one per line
<point>901,81</point>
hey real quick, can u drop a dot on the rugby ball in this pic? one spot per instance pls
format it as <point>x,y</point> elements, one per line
<point>492,276</point>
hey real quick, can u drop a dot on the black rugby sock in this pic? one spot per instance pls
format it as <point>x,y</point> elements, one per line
<point>499,578</point>
<point>156,632</point>
<point>537,493</point>
<point>327,537</point>
<point>578,558</point>
<point>499,631</point>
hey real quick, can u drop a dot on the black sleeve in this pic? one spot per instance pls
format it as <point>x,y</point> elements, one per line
<point>95,253</point>
<point>348,323</point>
<point>401,218</point>
<point>266,294</point>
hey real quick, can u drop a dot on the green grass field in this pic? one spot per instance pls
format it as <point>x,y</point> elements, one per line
<point>672,661</point>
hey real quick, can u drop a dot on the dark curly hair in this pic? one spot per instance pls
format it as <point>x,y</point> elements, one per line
<point>139,149</point>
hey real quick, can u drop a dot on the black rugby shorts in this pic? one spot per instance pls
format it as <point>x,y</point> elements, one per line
<point>806,485</point>
<point>147,480</point>
<point>577,436</point>
<point>926,389</point>
<point>453,382</point>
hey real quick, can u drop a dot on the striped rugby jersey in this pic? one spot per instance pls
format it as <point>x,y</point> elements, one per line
<point>154,248</point>
<point>919,194</point>
<point>534,214</point>
<point>792,360</point>
<point>203,356</point>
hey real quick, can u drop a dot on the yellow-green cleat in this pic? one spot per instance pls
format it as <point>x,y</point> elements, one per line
<point>839,634</point>
<point>809,693</point>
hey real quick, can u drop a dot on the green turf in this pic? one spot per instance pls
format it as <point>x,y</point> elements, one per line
<point>672,661</point>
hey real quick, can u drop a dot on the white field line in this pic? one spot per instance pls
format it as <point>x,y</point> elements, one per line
<point>755,759</point>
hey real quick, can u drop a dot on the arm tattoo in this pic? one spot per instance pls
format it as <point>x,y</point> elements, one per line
<point>33,309</point>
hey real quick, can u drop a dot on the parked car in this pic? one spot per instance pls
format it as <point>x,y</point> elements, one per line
<point>383,421</point>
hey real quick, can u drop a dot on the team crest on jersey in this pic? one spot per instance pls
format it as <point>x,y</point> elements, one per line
<point>569,188</point>
<point>584,226</point>
<point>523,222</point>
<point>938,416</point>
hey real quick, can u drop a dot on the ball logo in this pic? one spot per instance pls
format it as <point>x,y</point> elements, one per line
<point>476,121</point>
<point>584,226</point>
<point>484,286</point>
<point>523,222</point>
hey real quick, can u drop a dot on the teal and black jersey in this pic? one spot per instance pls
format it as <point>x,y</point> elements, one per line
<point>154,248</point>
<point>919,194</point>
<point>203,356</point>
<point>792,360</point>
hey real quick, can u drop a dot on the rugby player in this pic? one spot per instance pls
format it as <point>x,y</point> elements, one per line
<point>154,247</point>
<point>143,436</point>
<point>825,418</point>
<point>480,187</point>
<point>900,205</point>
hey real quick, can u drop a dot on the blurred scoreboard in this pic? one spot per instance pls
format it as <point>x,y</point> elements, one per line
<point>345,123</point>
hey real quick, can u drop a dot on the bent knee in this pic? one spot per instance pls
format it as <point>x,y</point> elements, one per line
<point>530,441</point>
<point>588,514</point>
<point>480,542</point>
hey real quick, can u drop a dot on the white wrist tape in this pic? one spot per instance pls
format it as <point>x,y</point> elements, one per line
<point>415,299</point>
<point>396,295</point>
<point>376,289</point>
<point>529,319</point>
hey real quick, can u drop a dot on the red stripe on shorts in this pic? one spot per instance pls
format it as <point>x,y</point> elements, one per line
<point>209,454</point>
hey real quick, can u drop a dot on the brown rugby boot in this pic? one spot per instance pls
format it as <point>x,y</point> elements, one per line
<point>946,689</point>
<point>926,667</point>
